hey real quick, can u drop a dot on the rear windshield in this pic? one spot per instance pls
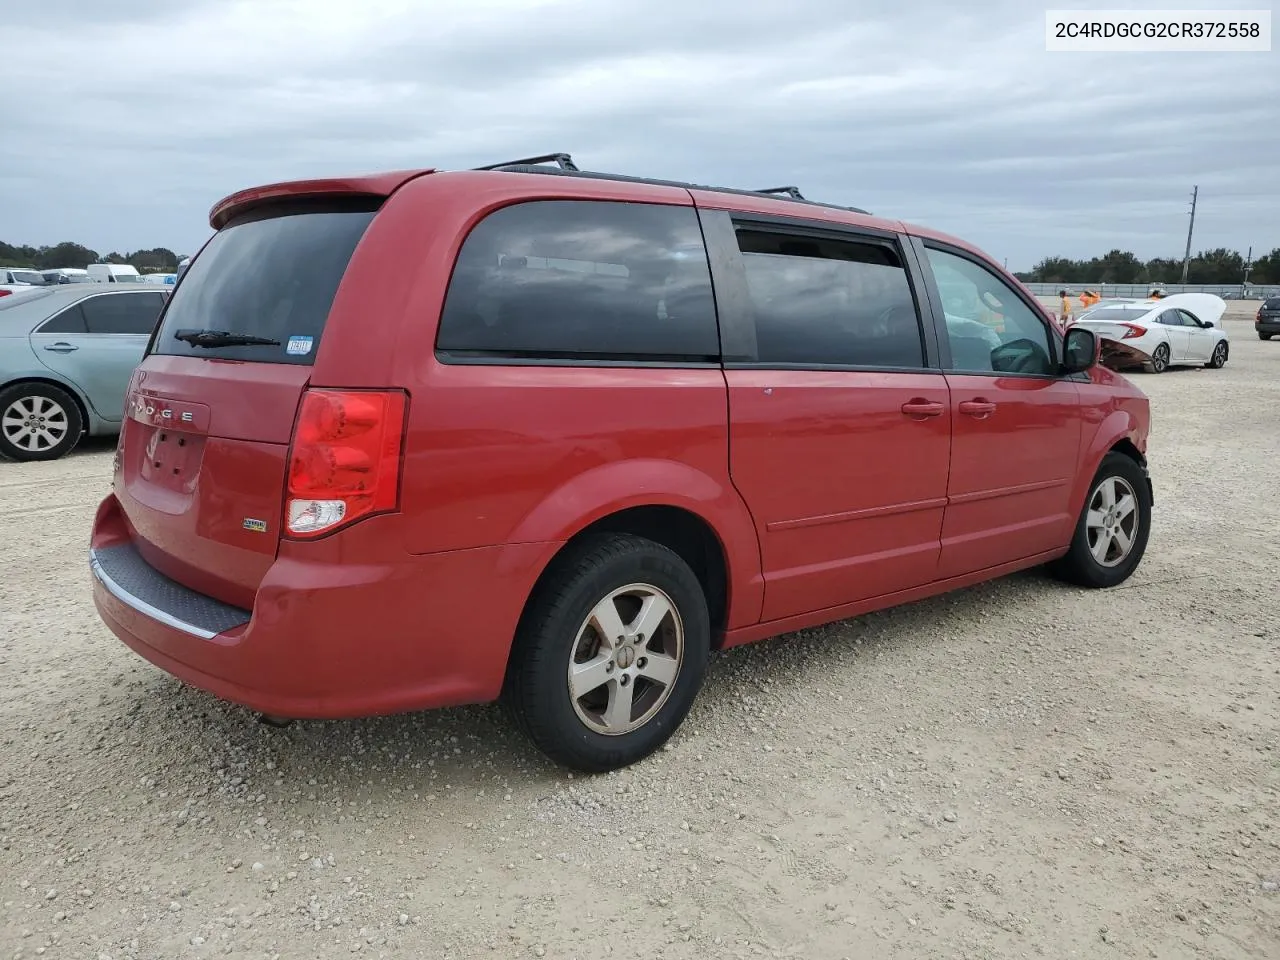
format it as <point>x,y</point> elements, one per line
<point>1271,303</point>
<point>270,275</point>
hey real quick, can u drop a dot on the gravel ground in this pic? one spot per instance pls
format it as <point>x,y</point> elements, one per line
<point>1016,770</point>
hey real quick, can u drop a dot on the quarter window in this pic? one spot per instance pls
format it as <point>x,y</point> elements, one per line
<point>130,313</point>
<point>573,279</point>
<point>989,327</point>
<point>70,320</point>
<point>821,301</point>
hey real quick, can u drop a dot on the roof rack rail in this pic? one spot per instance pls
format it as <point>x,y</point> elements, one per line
<point>565,167</point>
<point>792,192</point>
<point>561,160</point>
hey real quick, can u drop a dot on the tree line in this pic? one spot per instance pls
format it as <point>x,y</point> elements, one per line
<point>1121,266</point>
<point>159,260</point>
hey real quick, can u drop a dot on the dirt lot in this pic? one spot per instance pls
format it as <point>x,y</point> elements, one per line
<point>1017,770</point>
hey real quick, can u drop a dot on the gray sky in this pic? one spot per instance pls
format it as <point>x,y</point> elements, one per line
<point>122,124</point>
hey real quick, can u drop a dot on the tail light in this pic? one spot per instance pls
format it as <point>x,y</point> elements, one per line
<point>5,293</point>
<point>1132,330</point>
<point>344,463</point>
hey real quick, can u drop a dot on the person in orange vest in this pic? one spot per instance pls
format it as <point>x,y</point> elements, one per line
<point>1065,317</point>
<point>1088,299</point>
<point>1157,293</point>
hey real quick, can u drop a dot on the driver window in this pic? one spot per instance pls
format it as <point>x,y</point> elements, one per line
<point>989,327</point>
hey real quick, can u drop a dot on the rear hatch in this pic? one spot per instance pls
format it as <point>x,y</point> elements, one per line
<point>204,451</point>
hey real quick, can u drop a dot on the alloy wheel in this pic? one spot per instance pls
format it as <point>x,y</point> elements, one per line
<point>34,423</point>
<point>1112,521</point>
<point>625,659</point>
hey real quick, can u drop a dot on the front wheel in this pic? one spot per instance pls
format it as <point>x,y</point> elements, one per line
<point>1219,358</point>
<point>1111,534</point>
<point>610,654</point>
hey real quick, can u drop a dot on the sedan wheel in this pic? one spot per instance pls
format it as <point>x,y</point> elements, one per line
<point>37,422</point>
<point>1160,359</point>
<point>1219,358</point>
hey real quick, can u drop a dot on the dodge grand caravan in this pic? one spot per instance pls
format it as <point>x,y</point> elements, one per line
<point>546,435</point>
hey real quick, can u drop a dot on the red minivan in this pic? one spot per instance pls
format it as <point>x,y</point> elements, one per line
<point>431,438</point>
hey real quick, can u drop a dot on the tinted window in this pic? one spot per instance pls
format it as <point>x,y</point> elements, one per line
<point>989,327</point>
<point>70,320</point>
<point>565,279</point>
<point>1273,303</point>
<point>1170,318</point>
<point>271,275</point>
<point>123,313</point>
<point>822,301</point>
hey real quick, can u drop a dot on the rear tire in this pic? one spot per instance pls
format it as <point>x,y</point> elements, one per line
<point>1111,535</point>
<point>38,421</point>
<point>1265,336</point>
<point>1159,359</point>
<point>1219,358</point>
<point>596,699</point>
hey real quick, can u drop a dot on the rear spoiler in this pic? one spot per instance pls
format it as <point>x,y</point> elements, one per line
<point>379,185</point>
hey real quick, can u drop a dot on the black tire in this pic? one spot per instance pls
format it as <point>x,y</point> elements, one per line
<point>58,409</point>
<point>1080,566</point>
<point>537,691</point>
<point>1219,358</point>
<point>1159,359</point>
<point>1264,336</point>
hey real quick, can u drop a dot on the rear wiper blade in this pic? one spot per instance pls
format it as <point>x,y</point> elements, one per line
<point>223,338</point>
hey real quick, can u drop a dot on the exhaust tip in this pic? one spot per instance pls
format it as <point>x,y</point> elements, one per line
<point>271,721</point>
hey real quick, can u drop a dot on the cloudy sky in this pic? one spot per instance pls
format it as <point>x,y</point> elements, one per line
<point>123,122</point>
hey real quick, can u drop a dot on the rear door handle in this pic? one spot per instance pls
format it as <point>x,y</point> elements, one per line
<point>923,408</point>
<point>61,347</point>
<point>979,409</point>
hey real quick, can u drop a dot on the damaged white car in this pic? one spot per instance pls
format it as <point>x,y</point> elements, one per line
<point>1181,330</point>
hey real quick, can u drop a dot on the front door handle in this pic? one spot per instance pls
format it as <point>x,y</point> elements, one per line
<point>923,408</point>
<point>978,409</point>
<point>61,347</point>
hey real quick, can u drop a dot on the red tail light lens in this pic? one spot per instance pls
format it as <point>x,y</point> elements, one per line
<point>5,293</point>
<point>1132,330</point>
<point>345,461</point>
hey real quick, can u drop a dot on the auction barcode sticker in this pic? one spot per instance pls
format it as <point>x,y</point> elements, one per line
<point>1189,31</point>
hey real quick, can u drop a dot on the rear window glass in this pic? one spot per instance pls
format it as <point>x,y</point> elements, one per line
<point>574,279</point>
<point>273,276</point>
<point>1272,303</point>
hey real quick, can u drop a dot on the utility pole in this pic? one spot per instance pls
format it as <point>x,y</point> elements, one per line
<point>1248,265</point>
<point>1186,258</point>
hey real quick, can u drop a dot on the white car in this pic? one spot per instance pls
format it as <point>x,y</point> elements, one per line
<point>1184,329</point>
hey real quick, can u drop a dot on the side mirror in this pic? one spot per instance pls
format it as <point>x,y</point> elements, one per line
<point>1079,350</point>
<point>1206,323</point>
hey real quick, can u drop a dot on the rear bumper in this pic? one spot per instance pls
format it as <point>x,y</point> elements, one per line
<point>329,636</point>
<point>1267,325</point>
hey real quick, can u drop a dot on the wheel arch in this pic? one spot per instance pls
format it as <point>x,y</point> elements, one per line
<point>1119,433</point>
<point>671,502</point>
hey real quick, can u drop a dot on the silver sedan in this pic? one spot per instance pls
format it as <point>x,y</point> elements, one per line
<point>66,355</point>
